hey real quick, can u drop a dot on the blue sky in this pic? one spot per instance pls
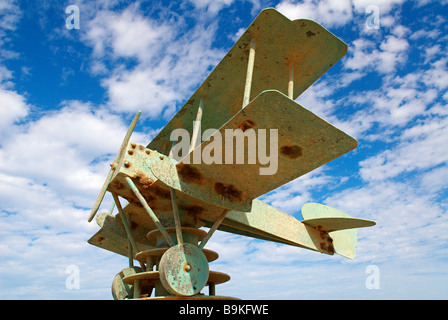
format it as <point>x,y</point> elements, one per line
<point>67,97</point>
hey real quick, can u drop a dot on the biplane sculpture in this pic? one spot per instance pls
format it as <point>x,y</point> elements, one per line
<point>171,197</point>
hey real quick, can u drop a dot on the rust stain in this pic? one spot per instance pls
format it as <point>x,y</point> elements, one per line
<point>228,191</point>
<point>143,179</point>
<point>189,174</point>
<point>327,245</point>
<point>118,185</point>
<point>291,151</point>
<point>160,192</point>
<point>100,239</point>
<point>310,34</point>
<point>246,124</point>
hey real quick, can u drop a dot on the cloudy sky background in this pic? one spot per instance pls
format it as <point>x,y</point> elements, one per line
<point>68,96</point>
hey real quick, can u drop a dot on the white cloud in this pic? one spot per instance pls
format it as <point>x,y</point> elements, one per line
<point>421,147</point>
<point>165,57</point>
<point>384,5</point>
<point>10,14</point>
<point>437,76</point>
<point>211,6</point>
<point>328,12</point>
<point>364,54</point>
<point>126,34</point>
<point>13,107</point>
<point>408,221</point>
<point>73,147</point>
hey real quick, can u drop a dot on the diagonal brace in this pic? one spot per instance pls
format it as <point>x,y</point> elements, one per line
<point>151,213</point>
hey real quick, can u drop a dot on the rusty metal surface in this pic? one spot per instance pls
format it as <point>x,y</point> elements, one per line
<point>261,221</point>
<point>279,42</point>
<point>184,270</point>
<point>120,289</point>
<point>305,142</point>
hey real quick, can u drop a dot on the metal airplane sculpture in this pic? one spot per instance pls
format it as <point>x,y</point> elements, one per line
<point>170,197</point>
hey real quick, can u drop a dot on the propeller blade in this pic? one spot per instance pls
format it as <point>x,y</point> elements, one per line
<point>98,201</point>
<point>120,154</point>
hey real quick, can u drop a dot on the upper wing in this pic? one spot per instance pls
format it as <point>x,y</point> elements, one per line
<point>280,42</point>
<point>305,142</point>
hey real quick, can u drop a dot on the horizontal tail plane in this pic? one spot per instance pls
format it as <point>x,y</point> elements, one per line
<point>339,226</point>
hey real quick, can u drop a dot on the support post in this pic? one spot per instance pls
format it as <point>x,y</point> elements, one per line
<point>177,223</point>
<point>197,125</point>
<point>125,223</point>
<point>250,70</point>
<point>213,228</point>
<point>291,81</point>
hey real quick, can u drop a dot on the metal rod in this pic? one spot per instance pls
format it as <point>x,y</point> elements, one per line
<point>177,223</point>
<point>112,207</point>
<point>130,254</point>
<point>213,228</point>
<point>250,70</point>
<point>211,289</point>
<point>149,263</point>
<point>125,223</point>
<point>150,212</point>
<point>291,81</point>
<point>197,125</point>
<point>137,289</point>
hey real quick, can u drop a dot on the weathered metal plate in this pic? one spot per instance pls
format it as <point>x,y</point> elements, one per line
<point>216,277</point>
<point>120,289</point>
<point>149,276</point>
<point>192,182</point>
<point>338,223</point>
<point>184,270</point>
<point>279,42</point>
<point>305,142</point>
<point>112,236</point>
<point>136,164</point>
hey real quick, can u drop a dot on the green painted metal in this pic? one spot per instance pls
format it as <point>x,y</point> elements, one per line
<point>305,142</point>
<point>121,290</point>
<point>280,42</point>
<point>184,270</point>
